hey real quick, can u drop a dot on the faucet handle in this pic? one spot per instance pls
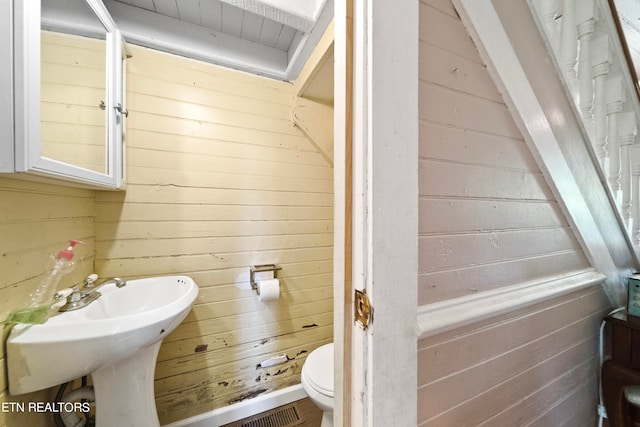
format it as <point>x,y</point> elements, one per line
<point>62,294</point>
<point>90,280</point>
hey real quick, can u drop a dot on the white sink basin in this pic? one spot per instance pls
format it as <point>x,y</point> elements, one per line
<point>116,339</point>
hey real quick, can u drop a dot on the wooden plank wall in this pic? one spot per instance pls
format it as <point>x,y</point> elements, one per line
<point>219,179</point>
<point>488,219</point>
<point>36,220</point>
<point>73,84</point>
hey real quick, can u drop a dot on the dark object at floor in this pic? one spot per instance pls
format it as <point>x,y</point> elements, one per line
<point>299,413</point>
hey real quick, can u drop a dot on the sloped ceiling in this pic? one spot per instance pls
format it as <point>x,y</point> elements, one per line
<point>267,37</point>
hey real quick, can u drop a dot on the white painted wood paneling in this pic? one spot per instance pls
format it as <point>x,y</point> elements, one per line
<point>232,20</point>
<point>460,250</point>
<point>211,14</point>
<point>285,38</point>
<point>145,4</point>
<point>189,11</point>
<point>451,107</point>
<point>169,7</point>
<point>252,27</point>
<point>473,156</point>
<point>490,223</point>
<point>444,179</point>
<point>469,280</point>
<point>449,69</point>
<point>439,27</point>
<point>270,33</point>
<point>506,377</point>
<point>464,146</point>
<point>219,180</point>
<point>559,146</point>
<point>452,215</point>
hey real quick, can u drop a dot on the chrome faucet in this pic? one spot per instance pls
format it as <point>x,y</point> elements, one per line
<point>82,297</point>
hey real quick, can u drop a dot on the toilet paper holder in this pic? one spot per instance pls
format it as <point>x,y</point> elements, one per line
<point>264,268</point>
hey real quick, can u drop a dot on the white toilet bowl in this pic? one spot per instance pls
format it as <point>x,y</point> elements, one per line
<point>317,381</point>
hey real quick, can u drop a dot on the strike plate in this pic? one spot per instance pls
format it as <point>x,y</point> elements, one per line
<point>362,308</point>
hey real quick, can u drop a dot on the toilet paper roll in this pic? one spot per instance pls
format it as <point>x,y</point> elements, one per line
<point>269,290</point>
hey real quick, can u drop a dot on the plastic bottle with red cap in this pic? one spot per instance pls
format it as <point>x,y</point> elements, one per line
<point>42,298</point>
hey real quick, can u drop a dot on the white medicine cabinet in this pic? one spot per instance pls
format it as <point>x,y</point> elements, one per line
<point>62,95</point>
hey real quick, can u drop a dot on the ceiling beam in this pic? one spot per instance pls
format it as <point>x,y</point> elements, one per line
<point>298,14</point>
<point>145,28</point>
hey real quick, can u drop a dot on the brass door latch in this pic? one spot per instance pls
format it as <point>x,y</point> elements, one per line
<point>362,308</point>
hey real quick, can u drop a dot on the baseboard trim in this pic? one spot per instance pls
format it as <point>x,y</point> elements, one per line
<point>244,409</point>
<point>444,316</point>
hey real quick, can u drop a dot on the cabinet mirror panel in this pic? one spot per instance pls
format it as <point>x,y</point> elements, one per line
<point>73,90</point>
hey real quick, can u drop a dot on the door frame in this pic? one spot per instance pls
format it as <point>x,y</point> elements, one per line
<point>376,210</point>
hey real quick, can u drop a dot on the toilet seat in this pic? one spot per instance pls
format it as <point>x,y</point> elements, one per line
<point>318,369</point>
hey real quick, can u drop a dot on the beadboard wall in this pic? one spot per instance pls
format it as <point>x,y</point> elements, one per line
<point>36,220</point>
<point>219,179</point>
<point>488,220</point>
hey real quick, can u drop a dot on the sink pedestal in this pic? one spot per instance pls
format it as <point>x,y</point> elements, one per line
<point>116,339</point>
<point>124,391</point>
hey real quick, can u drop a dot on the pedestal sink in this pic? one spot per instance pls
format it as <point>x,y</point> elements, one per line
<point>116,339</point>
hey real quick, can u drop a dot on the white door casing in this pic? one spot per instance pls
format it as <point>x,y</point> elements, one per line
<point>376,210</point>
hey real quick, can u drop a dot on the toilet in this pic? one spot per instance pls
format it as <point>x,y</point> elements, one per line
<point>317,381</point>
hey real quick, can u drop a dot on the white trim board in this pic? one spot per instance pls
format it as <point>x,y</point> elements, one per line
<point>244,409</point>
<point>446,315</point>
